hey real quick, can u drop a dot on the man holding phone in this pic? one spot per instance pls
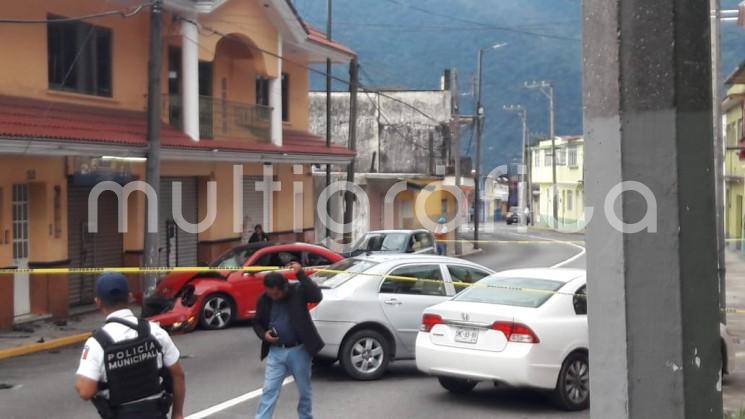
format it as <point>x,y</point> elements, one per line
<point>289,339</point>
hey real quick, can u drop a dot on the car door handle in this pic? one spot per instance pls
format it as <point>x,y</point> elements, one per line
<point>393,302</point>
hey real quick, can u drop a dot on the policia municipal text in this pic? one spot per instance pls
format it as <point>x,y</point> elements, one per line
<point>129,367</point>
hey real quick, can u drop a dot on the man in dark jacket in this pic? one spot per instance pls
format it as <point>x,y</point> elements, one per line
<point>289,339</point>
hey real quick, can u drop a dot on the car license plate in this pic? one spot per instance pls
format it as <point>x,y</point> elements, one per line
<point>466,335</point>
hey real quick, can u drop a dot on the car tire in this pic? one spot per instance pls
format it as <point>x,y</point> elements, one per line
<point>217,312</point>
<point>573,387</point>
<point>365,355</point>
<point>457,385</point>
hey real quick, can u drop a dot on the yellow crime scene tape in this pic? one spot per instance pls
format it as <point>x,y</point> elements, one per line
<point>201,269</point>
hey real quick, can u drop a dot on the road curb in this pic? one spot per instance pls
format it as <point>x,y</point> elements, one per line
<point>31,348</point>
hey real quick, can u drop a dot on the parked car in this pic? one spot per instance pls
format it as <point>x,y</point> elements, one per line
<point>214,299</point>
<point>394,241</point>
<point>494,331</point>
<point>513,216</point>
<point>372,305</point>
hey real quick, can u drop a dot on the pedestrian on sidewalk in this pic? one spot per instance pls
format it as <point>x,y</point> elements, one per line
<point>441,235</point>
<point>130,367</point>
<point>289,339</point>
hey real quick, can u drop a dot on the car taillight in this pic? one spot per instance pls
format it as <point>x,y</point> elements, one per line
<point>429,321</point>
<point>516,332</point>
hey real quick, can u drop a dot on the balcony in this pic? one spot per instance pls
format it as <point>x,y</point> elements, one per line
<point>225,119</point>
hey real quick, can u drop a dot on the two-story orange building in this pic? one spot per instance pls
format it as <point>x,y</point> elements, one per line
<point>73,97</point>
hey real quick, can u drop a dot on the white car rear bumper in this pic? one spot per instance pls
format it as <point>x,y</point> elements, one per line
<point>514,365</point>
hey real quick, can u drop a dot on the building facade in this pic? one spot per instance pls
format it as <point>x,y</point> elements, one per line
<point>403,141</point>
<point>234,109</point>
<point>569,181</point>
<point>732,110</point>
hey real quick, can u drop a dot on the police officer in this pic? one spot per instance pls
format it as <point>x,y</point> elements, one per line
<point>129,367</point>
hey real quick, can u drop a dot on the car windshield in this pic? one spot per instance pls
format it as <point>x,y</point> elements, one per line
<point>375,242</point>
<point>233,258</point>
<point>520,292</point>
<point>341,272</point>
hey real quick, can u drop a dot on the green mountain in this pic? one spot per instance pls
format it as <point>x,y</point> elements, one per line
<point>408,43</point>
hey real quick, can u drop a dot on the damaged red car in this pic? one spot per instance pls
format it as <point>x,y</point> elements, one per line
<point>214,299</point>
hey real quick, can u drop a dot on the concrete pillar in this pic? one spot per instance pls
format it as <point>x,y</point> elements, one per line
<point>190,78</point>
<point>275,98</point>
<point>653,303</point>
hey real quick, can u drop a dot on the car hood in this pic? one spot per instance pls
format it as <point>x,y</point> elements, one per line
<point>172,283</point>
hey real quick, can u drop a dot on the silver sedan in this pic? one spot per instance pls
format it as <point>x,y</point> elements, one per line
<point>372,306</point>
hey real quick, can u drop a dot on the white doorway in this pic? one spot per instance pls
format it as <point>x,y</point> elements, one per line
<point>21,281</point>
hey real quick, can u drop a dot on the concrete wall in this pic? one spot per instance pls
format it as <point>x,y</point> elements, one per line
<point>391,136</point>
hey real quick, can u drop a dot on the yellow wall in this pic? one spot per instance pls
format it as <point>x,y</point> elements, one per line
<point>298,95</point>
<point>42,174</point>
<point>245,20</point>
<point>24,71</point>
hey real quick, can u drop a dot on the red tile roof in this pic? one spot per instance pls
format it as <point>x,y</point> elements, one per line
<point>37,119</point>
<point>319,37</point>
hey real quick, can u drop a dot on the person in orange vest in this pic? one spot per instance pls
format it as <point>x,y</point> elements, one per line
<point>441,234</point>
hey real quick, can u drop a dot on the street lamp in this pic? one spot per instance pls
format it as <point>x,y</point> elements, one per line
<point>547,89</point>
<point>524,171</point>
<point>479,123</point>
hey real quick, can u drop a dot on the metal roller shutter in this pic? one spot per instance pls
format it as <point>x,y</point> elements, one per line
<point>88,250</point>
<point>253,205</point>
<point>178,248</point>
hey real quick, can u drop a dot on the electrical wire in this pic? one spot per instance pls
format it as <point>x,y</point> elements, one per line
<point>482,24</point>
<point>124,13</point>
<point>309,68</point>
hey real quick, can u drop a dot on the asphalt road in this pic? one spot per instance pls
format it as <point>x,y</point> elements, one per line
<point>224,373</point>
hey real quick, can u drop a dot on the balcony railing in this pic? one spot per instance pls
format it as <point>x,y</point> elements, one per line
<point>220,118</point>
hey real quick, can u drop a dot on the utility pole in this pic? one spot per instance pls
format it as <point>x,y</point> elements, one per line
<point>524,172</point>
<point>455,135</point>
<point>328,111</point>
<point>719,150</point>
<point>152,165</point>
<point>349,196</point>
<point>650,286</point>
<point>477,158</point>
<point>479,120</point>
<point>547,89</point>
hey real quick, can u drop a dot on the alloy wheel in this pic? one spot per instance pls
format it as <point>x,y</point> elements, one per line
<point>576,381</point>
<point>217,312</point>
<point>367,355</point>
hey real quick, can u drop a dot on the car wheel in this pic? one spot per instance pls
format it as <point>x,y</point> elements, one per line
<point>217,312</point>
<point>457,385</point>
<point>573,387</point>
<point>365,355</point>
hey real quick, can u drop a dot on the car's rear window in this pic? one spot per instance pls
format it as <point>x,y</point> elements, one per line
<point>519,292</point>
<point>341,272</point>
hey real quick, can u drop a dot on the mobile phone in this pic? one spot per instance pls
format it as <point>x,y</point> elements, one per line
<point>273,332</point>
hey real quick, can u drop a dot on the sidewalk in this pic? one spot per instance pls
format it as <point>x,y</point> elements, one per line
<point>48,335</point>
<point>734,384</point>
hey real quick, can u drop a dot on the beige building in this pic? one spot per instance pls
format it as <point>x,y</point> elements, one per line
<point>569,181</point>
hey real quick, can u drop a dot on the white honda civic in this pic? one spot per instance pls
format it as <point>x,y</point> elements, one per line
<point>522,327</point>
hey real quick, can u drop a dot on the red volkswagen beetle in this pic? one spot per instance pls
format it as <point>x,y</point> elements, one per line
<point>213,299</point>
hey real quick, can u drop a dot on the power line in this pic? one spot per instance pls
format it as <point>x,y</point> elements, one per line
<point>122,12</point>
<point>309,68</point>
<point>482,24</point>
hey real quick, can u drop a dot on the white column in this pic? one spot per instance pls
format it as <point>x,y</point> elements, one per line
<point>190,79</point>
<point>275,98</point>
